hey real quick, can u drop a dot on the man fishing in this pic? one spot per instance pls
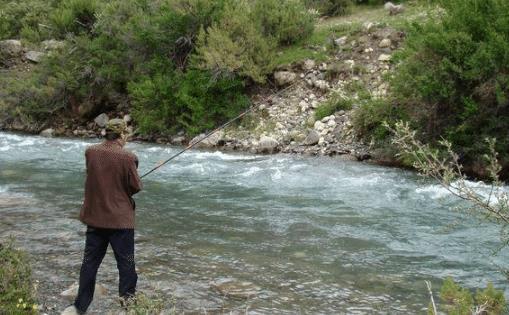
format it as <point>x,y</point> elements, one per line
<point>108,211</point>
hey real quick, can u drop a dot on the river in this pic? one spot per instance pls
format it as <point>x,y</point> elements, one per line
<point>311,235</point>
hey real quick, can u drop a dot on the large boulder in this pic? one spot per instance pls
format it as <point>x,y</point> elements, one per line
<point>284,77</point>
<point>11,47</point>
<point>102,120</point>
<point>267,145</point>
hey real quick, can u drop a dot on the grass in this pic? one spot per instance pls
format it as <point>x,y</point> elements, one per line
<point>333,104</point>
<point>17,294</point>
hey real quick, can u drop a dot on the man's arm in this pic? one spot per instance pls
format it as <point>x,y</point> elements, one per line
<point>134,181</point>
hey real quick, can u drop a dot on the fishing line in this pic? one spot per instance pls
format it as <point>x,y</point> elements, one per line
<point>226,124</point>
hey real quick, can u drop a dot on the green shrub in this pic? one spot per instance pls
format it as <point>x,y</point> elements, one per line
<point>194,101</point>
<point>287,21</point>
<point>331,7</point>
<point>236,45</point>
<point>453,78</point>
<point>458,301</point>
<point>75,16</point>
<point>27,19</point>
<point>369,117</point>
<point>334,103</point>
<point>16,290</point>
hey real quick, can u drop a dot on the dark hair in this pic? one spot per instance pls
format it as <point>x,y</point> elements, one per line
<point>110,135</point>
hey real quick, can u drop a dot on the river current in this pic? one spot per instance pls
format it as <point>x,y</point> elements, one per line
<point>308,235</point>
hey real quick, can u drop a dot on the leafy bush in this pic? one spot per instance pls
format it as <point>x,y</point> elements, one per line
<point>28,19</point>
<point>331,7</point>
<point>75,16</point>
<point>287,21</point>
<point>335,103</point>
<point>453,80</point>
<point>458,300</point>
<point>16,291</point>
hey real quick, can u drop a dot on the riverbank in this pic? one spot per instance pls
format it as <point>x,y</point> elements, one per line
<point>324,85</point>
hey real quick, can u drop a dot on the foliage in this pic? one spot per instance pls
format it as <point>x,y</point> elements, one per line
<point>331,7</point>
<point>369,117</point>
<point>16,291</point>
<point>28,19</point>
<point>142,304</point>
<point>74,16</point>
<point>458,301</point>
<point>453,78</point>
<point>287,21</point>
<point>334,103</point>
<point>194,100</point>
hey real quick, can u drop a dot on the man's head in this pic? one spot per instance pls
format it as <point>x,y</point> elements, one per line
<point>116,129</point>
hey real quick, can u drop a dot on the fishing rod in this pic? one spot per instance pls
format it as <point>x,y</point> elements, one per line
<point>226,124</point>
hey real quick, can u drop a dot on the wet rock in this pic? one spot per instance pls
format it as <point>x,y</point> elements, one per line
<point>72,291</point>
<point>178,140</point>
<point>47,132</point>
<point>102,120</point>
<point>312,138</point>
<point>267,145</point>
<point>284,77</point>
<point>235,289</point>
<point>213,140</point>
<point>34,56</point>
<point>385,43</point>
<point>10,48</point>
<point>384,58</point>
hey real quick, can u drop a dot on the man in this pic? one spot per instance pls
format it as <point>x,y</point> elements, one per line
<point>108,211</point>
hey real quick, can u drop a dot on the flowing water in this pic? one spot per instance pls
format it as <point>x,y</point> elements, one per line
<point>310,235</point>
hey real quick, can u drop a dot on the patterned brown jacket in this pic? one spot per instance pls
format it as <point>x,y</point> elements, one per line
<point>112,180</point>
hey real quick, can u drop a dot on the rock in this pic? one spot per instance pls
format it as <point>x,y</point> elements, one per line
<point>34,56</point>
<point>304,106</point>
<point>127,118</point>
<point>312,138</point>
<point>331,123</point>
<point>70,310</point>
<point>319,126</point>
<point>267,145</point>
<point>385,43</point>
<point>235,289</point>
<point>340,41</point>
<point>178,140</point>
<point>47,132</point>
<point>394,9</point>
<point>284,77</point>
<point>102,120</point>
<point>384,58</point>
<point>368,26</point>
<point>213,140</point>
<point>10,48</point>
<point>309,64</point>
<point>72,291</point>
<point>52,44</point>
<point>322,85</point>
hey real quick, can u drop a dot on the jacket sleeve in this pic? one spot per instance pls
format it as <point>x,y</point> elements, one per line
<point>134,181</point>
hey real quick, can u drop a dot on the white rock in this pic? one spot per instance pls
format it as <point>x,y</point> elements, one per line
<point>284,77</point>
<point>47,132</point>
<point>212,141</point>
<point>319,126</point>
<point>312,96</point>
<point>102,120</point>
<point>368,26</point>
<point>368,50</point>
<point>11,47</point>
<point>315,104</point>
<point>350,63</point>
<point>72,291</point>
<point>385,43</point>
<point>52,44</point>
<point>341,41</point>
<point>384,58</point>
<point>309,64</point>
<point>322,85</point>
<point>34,56</point>
<point>331,123</point>
<point>127,118</point>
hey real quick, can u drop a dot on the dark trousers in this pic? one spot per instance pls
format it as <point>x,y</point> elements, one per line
<point>122,243</point>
